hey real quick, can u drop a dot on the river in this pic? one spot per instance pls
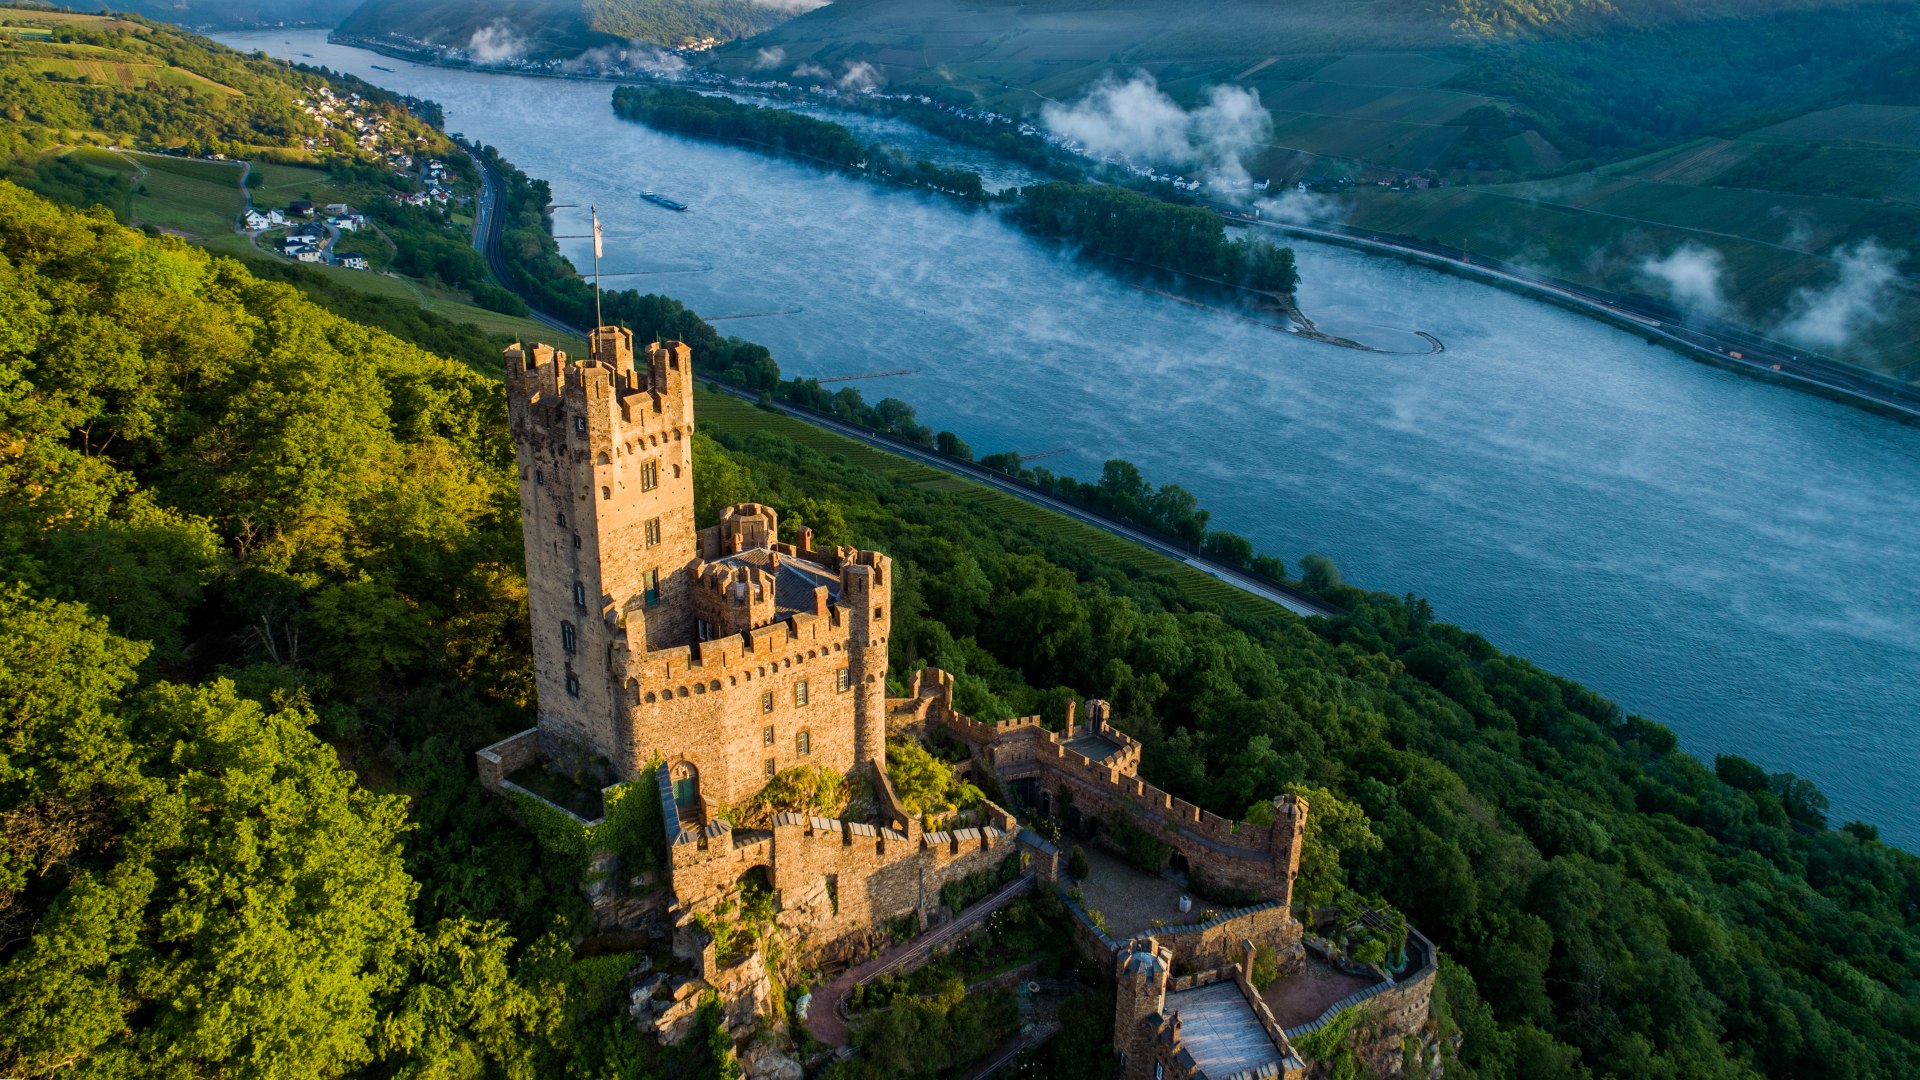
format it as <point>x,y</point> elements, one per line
<point>1733,559</point>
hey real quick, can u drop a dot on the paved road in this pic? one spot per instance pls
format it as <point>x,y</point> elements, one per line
<point>489,225</point>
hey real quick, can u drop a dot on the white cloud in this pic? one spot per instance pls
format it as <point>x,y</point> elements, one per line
<point>1693,276</point>
<point>860,75</point>
<point>1858,300</point>
<point>1134,119</point>
<point>497,43</point>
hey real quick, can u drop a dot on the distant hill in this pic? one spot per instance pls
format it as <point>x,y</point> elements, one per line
<point>231,14</point>
<point>1600,78</point>
<point>507,30</point>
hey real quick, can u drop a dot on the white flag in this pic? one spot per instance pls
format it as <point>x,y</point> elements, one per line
<point>597,253</point>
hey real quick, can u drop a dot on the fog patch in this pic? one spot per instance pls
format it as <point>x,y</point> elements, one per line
<point>1693,276</point>
<point>812,70</point>
<point>497,43</point>
<point>791,7</point>
<point>770,57</point>
<point>1858,300</point>
<point>1304,207</point>
<point>1136,121</point>
<point>634,56</point>
<point>860,75</point>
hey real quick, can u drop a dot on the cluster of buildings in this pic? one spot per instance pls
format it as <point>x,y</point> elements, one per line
<point>309,237</point>
<point>436,184</point>
<point>693,666</point>
<point>352,115</point>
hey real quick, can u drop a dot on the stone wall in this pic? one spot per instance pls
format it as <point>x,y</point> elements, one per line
<point>831,877</point>
<point>506,757</point>
<point>1216,943</point>
<point>705,706</point>
<point>1263,859</point>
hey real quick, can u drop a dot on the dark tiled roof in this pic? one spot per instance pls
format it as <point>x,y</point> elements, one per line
<point>1094,745</point>
<point>794,582</point>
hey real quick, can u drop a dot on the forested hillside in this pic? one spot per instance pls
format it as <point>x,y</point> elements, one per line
<point>232,14</point>
<point>495,31</point>
<point>73,80</point>
<point>264,598</point>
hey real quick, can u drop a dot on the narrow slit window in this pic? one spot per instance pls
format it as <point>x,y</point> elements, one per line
<point>568,639</point>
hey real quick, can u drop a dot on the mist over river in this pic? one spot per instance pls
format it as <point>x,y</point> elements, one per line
<point>1732,559</point>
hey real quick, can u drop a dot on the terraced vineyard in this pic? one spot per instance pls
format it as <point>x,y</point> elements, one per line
<point>729,414</point>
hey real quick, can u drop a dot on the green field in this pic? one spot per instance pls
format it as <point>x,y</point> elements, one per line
<point>726,413</point>
<point>131,76</point>
<point>200,199</point>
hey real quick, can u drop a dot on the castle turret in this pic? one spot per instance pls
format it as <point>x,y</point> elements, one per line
<point>1140,994</point>
<point>606,502</point>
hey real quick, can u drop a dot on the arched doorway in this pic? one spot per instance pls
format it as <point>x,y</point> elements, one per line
<point>686,784</point>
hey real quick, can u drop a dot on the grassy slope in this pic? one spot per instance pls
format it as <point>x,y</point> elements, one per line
<point>200,200</point>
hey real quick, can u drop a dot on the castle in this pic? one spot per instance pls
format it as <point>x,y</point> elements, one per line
<point>694,665</point>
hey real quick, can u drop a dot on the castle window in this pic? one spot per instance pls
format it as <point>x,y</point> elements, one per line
<point>649,476</point>
<point>878,614</point>
<point>843,680</point>
<point>560,519</point>
<point>606,492</point>
<point>766,733</point>
<point>580,595</point>
<point>766,703</point>
<point>653,587</point>
<point>573,683</point>
<point>653,532</point>
<point>580,424</point>
<point>567,639</point>
<point>704,629</point>
<point>803,742</point>
<point>800,692</point>
<point>676,472</point>
<point>576,541</point>
<point>539,478</point>
<point>771,767</point>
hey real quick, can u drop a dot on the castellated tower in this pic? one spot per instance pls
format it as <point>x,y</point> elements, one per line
<point>723,652</point>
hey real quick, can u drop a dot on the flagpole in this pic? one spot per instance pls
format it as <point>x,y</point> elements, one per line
<point>595,211</point>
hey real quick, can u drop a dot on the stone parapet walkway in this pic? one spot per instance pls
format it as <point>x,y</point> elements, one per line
<point>826,1016</point>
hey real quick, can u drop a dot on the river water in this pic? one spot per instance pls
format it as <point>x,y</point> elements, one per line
<point>1732,559</point>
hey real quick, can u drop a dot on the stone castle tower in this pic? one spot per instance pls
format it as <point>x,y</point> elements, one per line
<point>724,652</point>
